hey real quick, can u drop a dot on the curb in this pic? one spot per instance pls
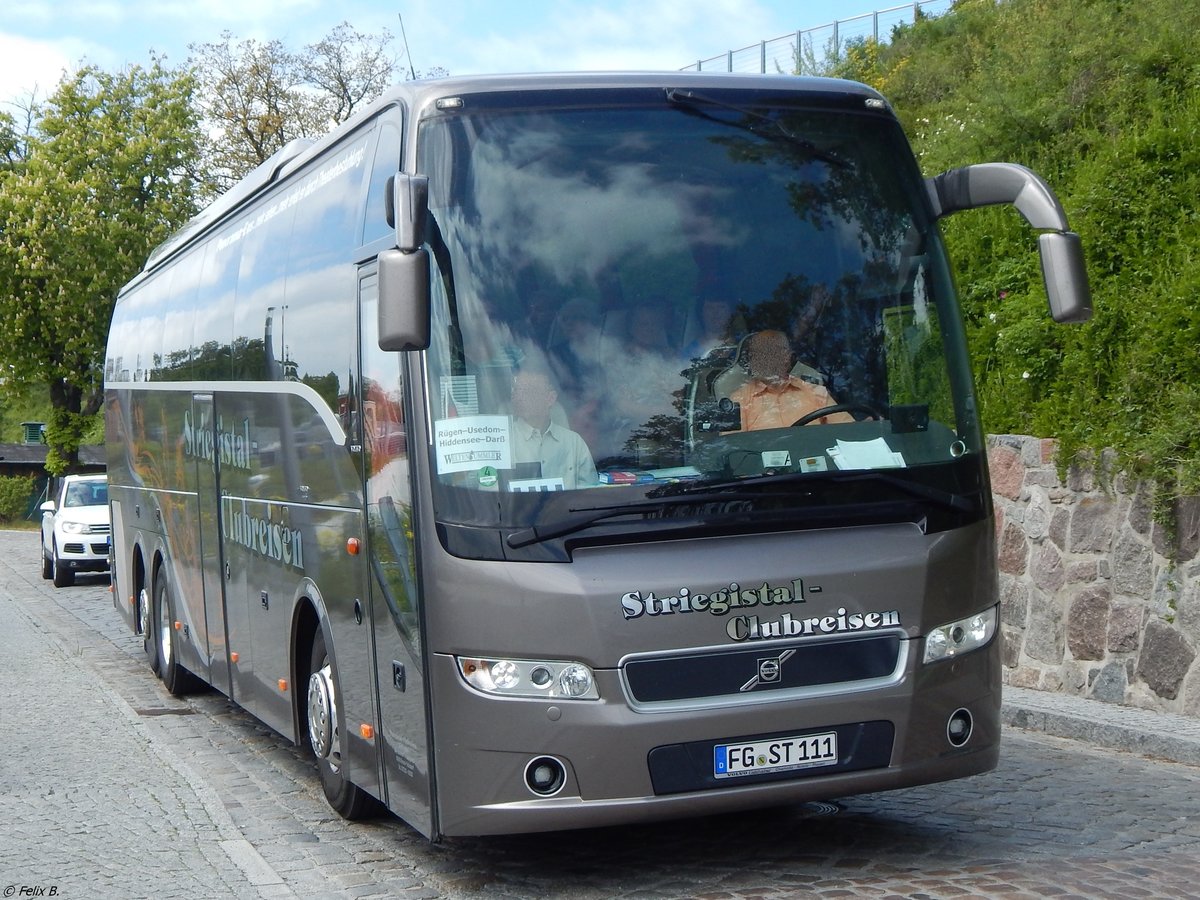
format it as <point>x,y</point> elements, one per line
<point>1155,734</point>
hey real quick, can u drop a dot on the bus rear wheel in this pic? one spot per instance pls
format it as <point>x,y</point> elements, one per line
<point>175,677</point>
<point>325,737</point>
<point>145,627</point>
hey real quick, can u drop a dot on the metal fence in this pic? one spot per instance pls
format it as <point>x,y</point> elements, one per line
<point>807,51</point>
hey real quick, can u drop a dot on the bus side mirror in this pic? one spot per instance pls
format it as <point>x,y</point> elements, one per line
<point>1065,276</point>
<point>985,184</point>
<point>404,272</point>
<point>409,210</point>
<point>404,300</point>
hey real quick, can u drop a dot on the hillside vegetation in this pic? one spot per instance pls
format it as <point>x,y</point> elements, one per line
<point>1102,98</point>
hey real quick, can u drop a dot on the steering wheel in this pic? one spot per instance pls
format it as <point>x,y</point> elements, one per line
<point>837,408</point>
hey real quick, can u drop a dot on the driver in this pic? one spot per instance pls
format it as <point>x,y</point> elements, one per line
<point>773,397</point>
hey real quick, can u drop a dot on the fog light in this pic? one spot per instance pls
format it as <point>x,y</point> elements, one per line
<point>575,681</point>
<point>959,727</point>
<point>545,776</point>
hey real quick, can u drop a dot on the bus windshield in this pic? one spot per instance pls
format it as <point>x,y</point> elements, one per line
<point>641,296</point>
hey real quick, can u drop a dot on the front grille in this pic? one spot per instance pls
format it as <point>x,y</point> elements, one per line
<point>100,549</point>
<point>73,548</point>
<point>749,671</point>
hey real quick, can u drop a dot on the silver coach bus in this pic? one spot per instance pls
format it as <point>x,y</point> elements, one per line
<point>438,445</point>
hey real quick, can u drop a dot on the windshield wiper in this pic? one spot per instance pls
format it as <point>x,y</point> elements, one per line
<point>588,516</point>
<point>947,499</point>
<point>691,102</point>
<point>568,524</point>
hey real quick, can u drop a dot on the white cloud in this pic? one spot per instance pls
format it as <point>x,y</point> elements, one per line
<point>29,66</point>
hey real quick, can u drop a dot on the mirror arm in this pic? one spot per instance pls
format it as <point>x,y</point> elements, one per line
<point>987,184</point>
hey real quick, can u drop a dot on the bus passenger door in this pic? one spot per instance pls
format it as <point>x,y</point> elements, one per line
<point>211,557</point>
<point>395,594</point>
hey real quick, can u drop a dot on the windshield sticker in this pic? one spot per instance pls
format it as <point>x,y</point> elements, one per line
<point>636,604</point>
<point>535,485</point>
<point>460,396</point>
<point>468,443</point>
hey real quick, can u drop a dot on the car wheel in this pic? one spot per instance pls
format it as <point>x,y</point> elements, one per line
<point>47,565</point>
<point>325,737</point>
<point>63,577</point>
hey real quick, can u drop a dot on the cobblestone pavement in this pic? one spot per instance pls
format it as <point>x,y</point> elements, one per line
<point>109,787</point>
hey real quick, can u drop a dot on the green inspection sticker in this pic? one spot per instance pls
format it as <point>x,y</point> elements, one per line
<point>487,477</point>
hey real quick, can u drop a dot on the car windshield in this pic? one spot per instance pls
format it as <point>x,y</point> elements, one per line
<point>86,493</point>
<point>650,290</point>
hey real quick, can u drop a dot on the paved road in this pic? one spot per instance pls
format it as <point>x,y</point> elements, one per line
<point>111,788</point>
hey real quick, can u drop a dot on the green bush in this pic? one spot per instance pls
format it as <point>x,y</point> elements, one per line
<point>1102,98</point>
<point>15,493</point>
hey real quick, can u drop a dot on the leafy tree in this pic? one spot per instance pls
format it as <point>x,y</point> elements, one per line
<point>256,97</point>
<point>16,131</point>
<point>349,69</point>
<point>105,180</point>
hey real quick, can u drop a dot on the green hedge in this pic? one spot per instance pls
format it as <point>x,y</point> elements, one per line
<point>15,493</point>
<point>1102,98</point>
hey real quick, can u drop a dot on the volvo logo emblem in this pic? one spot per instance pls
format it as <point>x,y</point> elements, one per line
<point>769,670</point>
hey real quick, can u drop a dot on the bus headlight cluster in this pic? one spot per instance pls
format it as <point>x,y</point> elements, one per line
<point>530,678</point>
<point>959,637</point>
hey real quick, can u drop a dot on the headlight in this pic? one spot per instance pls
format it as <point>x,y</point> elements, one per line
<point>960,637</point>
<point>530,678</point>
<point>70,527</point>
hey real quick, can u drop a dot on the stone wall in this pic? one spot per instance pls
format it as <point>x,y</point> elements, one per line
<point>1095,601</point>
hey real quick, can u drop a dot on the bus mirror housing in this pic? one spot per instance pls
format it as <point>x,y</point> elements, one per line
<point>404,300</point>
<point>404,272</point>
<point>409,209</point>
<point>1065,276</point>
<point>986,184</point>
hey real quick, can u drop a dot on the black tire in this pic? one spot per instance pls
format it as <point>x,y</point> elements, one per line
<point>323,733</point>
<point>177,680</point>
<point>146,626</point>
<point>63,577</point>
<point>47,566</point>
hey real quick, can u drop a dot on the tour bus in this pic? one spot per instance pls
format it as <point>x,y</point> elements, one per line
<point>436,445</point>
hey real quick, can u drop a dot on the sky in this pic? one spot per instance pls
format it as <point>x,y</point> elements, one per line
<point>40,39</point>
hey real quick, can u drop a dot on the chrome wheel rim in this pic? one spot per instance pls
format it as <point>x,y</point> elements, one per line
<point>323,715</point>
<point>164,631</point>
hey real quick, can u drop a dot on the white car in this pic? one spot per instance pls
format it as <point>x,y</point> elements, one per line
<point>75,529</point>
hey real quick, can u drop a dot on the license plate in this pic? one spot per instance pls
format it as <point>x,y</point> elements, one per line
<point>775,755</point>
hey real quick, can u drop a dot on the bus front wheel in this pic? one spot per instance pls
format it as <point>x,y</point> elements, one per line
<point>325,737</point>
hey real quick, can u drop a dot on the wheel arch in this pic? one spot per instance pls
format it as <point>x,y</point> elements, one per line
<point>308,617</point>
<point>137,582</point>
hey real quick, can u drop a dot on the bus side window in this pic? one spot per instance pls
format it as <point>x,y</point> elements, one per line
<point>385,165</point>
